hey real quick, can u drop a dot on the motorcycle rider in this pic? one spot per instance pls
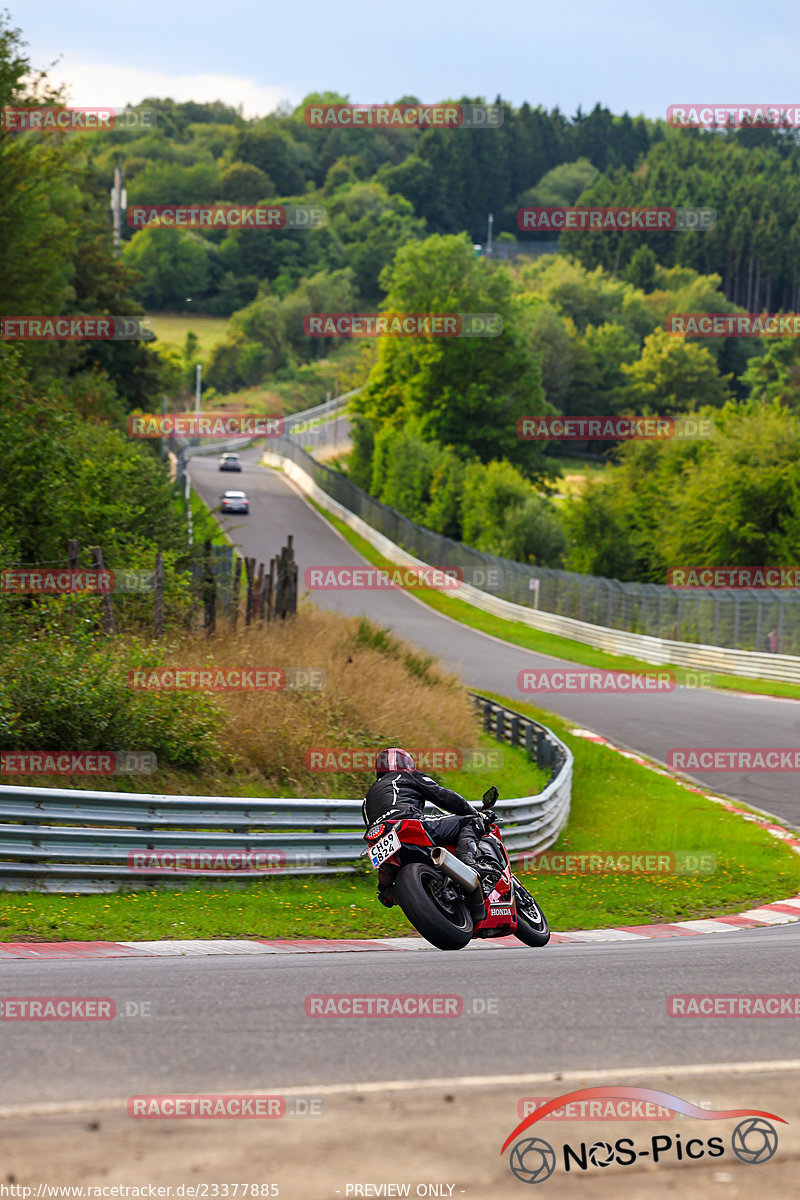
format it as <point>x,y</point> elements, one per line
<point>400,790</point>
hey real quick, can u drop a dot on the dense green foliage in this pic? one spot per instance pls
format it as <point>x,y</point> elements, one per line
<point>434,429</point>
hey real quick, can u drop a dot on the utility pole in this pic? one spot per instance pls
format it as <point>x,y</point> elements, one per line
<point>198,385</point>
<point>489,237</point>
<point>119,201</point>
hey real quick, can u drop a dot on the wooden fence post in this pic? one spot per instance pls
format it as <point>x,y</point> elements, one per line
<point>258,607</point>
<point>270,587</point>
<point>158,597</point>
<point>281,589</point>
<point>105,597</point>
<point>249,566</point>
<point>73,551</point>
<point>237,587</point>
<point>293,588</point>
<point>209,592</point>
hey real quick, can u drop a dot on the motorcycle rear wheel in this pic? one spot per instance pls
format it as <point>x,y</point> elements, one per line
<point>434,906</point>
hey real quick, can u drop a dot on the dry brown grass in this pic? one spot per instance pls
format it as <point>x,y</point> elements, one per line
<point>378,691</point>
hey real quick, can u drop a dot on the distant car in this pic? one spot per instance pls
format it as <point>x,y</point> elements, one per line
<point>229,462</point>
<point>235,502</point>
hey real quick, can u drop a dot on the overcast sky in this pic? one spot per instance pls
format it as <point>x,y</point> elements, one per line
<point>257,52</point>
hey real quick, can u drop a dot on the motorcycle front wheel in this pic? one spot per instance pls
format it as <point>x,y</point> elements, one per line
<point>532,927</point>
<point>434,906</point>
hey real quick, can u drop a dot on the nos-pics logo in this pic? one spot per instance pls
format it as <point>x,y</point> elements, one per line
<point>534,1160</point>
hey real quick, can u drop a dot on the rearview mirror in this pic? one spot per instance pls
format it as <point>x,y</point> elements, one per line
<point>490,797</point>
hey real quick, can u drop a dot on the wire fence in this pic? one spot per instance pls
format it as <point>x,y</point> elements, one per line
<point>745,619</point>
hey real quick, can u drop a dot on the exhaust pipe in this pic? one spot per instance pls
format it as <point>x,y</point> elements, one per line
<point>455,868</point>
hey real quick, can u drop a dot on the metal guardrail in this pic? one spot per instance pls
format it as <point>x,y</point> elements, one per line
<point>371,520</point>
<point>305,428</point>
<point>747,620</point>
<point>61,840</point>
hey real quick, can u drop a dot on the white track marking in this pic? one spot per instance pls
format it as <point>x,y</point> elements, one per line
<point>691,1070</point>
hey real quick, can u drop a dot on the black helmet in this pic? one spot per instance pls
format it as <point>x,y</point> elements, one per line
<point>393,759</point>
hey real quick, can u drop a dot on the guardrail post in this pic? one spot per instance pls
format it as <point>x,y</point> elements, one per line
<point>515,731</point>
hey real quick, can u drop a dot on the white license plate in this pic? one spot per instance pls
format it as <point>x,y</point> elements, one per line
<point>384,848</point>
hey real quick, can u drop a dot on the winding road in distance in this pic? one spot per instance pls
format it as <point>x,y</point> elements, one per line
<point>650,723</point>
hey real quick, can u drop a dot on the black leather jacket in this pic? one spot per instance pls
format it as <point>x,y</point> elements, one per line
<point>405,793</point>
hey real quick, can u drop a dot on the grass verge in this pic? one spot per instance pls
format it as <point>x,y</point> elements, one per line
<point>171,329</point>
<point>549,643</point>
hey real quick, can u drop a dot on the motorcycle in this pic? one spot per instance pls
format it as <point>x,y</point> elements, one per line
<point>433,887</point>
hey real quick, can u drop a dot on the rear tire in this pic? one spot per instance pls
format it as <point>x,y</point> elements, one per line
<point>532,927</point>
<point>434,906</point>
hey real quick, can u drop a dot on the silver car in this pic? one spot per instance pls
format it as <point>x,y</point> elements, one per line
<point>235,502</point>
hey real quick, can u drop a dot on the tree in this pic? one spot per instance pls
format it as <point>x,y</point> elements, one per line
<point>673,376</point>
<point>467,391</point>
<point>270,148</point>
<point>502,515</point>
<point>370,226</point>
<point>731,499</point>
<point>641,270</point>
<point>175,265</point>
<point>775,374</point>
<point>37,194</point>
<point>403,467</point>
<point>562,185</point>
<point>243,183</point>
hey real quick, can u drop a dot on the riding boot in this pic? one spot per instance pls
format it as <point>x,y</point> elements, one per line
<point>466,848</point>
